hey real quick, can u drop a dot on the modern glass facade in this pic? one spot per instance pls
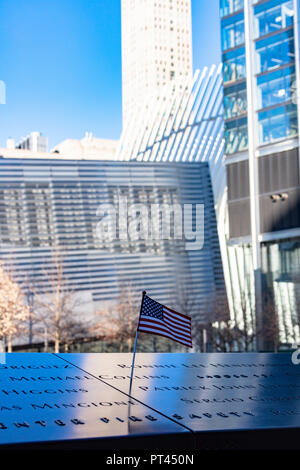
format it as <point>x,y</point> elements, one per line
<point>186,128</point>
<point>274,71</point>
<point>236,135</point>
<point>277,123</point>
<point>227,7</point>
<point>233,34</point>
<point>272,17</point>
<point>49,203</point>
<point>260,47</point>
<point>276,87</point>
<point>281,268</point>
<point>234,65</point>
<point>235,100</point>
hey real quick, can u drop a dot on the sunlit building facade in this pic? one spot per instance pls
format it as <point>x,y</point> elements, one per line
<point>182,127</point>
<point>156,50</point>
<point>51,203</point>
<point>260,48</point>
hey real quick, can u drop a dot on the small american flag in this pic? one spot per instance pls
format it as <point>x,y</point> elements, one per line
<point>160,320</point>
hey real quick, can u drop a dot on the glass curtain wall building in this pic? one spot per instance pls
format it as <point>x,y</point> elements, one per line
<point>260,47</point>
<point>52,203</point>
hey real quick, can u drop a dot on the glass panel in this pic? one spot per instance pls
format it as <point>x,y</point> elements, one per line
<point>292,122</point>
<point>273,18</point>
<point>235,101</point>
<point>277,123</point>
<point>236,136</point>
<point>275,88</point>
<point>234,65</point>
<point>230,6</point>
<point>233,35</point>
<point>279,50</point>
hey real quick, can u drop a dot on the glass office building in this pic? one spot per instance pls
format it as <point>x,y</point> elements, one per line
<point>272,68</point>
<point>49,203</point>
<point>260,48</point>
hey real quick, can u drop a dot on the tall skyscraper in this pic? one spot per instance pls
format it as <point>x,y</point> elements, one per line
<point>260,43</point>
<point>156,49</point>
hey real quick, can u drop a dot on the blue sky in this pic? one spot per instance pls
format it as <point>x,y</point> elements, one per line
<point>61,62</point>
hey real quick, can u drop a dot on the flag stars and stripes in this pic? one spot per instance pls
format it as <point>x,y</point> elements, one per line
<point>158,319</point>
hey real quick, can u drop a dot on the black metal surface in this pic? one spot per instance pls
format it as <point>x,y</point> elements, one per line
<point>207,392</point>
<point>196,400</point>
<point>43,398</point>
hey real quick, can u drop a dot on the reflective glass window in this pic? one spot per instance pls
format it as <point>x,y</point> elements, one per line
<point>277,123</point>
<point>275,87</point>
<point>233,31</point>
<point>235,100</point>
<point>230,6</point>
<point>275,51</point>
<point>273,16</point>
<point>236,136</point>
<point>234,65</point>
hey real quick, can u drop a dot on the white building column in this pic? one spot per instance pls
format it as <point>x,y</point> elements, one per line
<point>253,164</point>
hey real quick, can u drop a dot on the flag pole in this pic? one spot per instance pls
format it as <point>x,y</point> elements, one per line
<point>134,347</point>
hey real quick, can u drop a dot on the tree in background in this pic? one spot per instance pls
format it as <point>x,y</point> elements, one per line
<point>13,310</point>
<point>58,306</point>
<point>247,330</point>
<point>118,321</point>
<point>222,330</point>
<point>186,301</point>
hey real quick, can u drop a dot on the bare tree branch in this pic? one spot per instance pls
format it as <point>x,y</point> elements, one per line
<point>58,306</point>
